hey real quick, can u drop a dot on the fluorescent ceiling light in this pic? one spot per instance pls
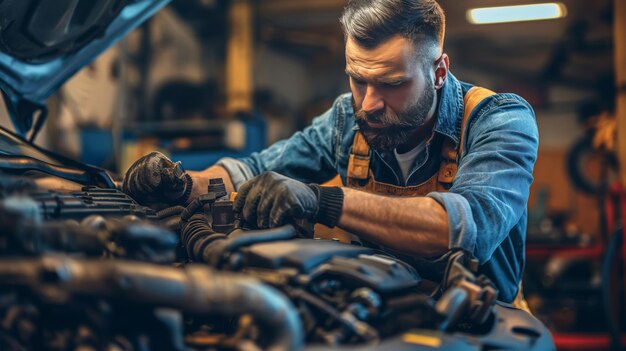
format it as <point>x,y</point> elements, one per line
<point>516,13</point>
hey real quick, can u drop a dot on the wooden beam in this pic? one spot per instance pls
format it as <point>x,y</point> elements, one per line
<point>619,26</point>
<point>239,58</point>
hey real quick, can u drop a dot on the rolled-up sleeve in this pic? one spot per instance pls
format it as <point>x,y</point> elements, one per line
<point>307,156</point>
<point>491,187</point>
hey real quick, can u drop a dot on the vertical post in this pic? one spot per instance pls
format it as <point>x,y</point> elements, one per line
<point>239,57</point>
<point>619,39</point>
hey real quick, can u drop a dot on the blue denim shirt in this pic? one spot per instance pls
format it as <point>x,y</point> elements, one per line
<point>486,204</point>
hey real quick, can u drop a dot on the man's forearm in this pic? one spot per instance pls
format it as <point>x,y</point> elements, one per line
<point>201,180</point>
<point>416,225</point>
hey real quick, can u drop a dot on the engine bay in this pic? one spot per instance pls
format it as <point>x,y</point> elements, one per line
<point>94,270</point>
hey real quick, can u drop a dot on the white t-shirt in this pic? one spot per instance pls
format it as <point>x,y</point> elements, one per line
<point>405,160</point>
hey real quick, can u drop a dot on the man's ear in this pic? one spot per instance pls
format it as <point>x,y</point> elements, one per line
<point>441,70</point>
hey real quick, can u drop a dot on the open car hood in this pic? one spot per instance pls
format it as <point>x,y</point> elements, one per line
<point>19,157</point>
<point>43,43</point>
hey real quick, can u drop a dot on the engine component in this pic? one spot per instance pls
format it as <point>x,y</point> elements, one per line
<point>344,291</point>
<point>132,291</point>
<point>464,294</point>
<point>90,201</point>
<point>14,185</point>
<point>322,292</point>
<point>25,233</point>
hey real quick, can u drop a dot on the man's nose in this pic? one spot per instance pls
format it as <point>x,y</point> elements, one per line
<point>373,101</point>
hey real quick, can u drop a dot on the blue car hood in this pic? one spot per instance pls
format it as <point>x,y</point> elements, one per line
<point>44,42</point>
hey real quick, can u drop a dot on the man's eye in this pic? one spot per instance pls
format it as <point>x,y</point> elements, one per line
<point>393,84</point>
<point>357,81</point>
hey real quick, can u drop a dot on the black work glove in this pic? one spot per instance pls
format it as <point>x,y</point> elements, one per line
<point>270,200</point>
<point>155,180</point>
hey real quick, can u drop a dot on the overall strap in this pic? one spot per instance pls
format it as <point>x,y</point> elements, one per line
<point>451,153</point>
<point>359,161</point>
<point>472,98</point>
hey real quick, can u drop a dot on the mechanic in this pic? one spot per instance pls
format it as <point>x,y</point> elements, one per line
<point>428,163</point>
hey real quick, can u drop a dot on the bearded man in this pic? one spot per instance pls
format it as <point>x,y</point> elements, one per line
<point>428,164</point>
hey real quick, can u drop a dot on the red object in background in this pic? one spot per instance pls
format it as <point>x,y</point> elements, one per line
<point>614,207</point>
<point>564,341</point>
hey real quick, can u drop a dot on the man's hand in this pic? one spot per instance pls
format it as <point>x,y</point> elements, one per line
<point>155,180</point>
<point>270,199</point>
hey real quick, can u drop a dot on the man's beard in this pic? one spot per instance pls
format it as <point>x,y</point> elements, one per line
<point>400,126</point>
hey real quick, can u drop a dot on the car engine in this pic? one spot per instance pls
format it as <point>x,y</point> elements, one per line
<point>93,270</point>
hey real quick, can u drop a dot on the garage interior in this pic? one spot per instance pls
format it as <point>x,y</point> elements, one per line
<point>205,79</point>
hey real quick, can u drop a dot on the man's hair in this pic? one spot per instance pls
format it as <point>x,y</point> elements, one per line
<point>371,22</point>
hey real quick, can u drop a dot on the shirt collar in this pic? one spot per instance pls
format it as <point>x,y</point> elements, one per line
<point>450,111</point>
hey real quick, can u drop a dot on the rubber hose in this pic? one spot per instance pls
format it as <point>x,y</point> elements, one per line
<point>191,210</point>
<point>205,245</point>
<point>196,235</point>
<point>170,211</point>
<point>214,253</point>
